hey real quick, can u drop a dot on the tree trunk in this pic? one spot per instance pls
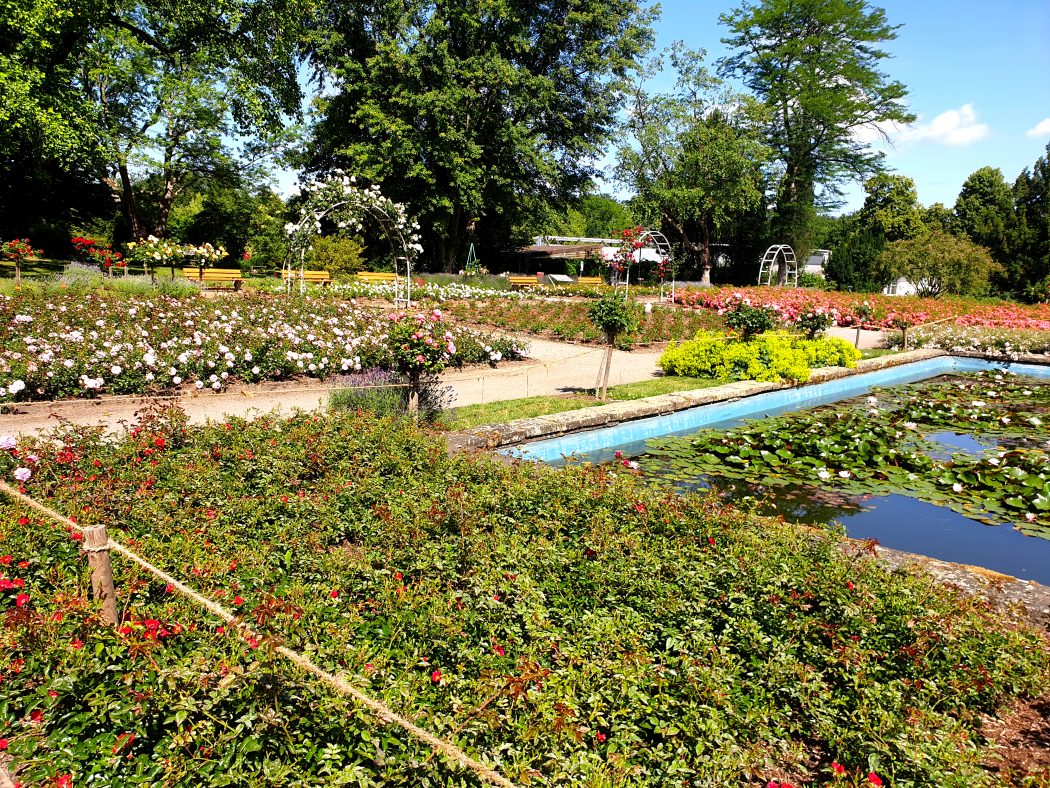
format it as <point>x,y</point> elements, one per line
<point>128,203</point>
<point>608,363</point>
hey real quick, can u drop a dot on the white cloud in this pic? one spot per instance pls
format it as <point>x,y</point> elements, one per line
<point>1041,129</point>
<point>956,127</point>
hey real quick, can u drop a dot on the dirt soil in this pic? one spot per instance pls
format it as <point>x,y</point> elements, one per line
<point>1021,737</point>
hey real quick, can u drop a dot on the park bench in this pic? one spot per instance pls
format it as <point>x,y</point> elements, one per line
<point>589,281</point>
<point>523,281</point>
<point>316,277</point>
<point>377,277</point>
<point>208,276</point>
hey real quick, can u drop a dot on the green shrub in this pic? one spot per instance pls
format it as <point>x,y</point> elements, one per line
<point>751,320</point>
<point>773,356</point>
<point>339,255</point>
<point>613,315</point>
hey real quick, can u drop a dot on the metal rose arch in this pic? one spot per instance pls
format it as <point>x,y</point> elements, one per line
<point>338,199</point>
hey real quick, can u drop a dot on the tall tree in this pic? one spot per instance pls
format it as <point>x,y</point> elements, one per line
<point>695,159</point>
<point>1030,235</point>
<point>815,63</point>
<point>466,111</point>
<point>175,83</point>
<point>135,86</point>
<point>984,210</point>
<point>891,207</point>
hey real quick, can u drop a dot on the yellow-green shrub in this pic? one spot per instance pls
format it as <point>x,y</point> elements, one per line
<point>772,356</point>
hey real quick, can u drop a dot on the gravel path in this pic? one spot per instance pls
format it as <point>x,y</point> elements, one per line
<point>553,368</point>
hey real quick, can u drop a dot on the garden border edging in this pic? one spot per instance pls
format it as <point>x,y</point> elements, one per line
<point>495,436</point>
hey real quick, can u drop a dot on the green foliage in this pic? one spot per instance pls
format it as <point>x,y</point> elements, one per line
<point>813,281</point>
<point>696,157</point>
<point>338,254</point>
<point>385,394</point>
<point>855,263</point>
<point>1029,257</point>
<point>813,321</point>
<point>773,356</point>
<point>613,315</point>
<point>783,51</point>
<point>880,447</point>
<point>939,263</point>
<point>419,343</point>
<point>984,210</point>
<point>751,320</point>
<point>891,208</point>
<point>463,110</point>
<point>567,616</point>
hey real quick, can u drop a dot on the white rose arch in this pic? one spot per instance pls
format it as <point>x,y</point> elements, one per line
<point>338,199</point>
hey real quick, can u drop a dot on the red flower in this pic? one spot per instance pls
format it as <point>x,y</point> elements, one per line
<point>21,600</point>
<point>169,588</point>
<point>334,594</point>
<point>36,715</point>
<point>849,585</point>
<point>499,649</point>
<point>874,779</point>
<point>253,642</point>
<point>77,643</point>
<point>435,677</point>
<point>3,744</point>
<point>600,737</point>
<point>238,600</point>
<point>837,767</point>
<point>158,442</point>
<point>6,559</point>
<point>63,781</point>
<point>76,536</point>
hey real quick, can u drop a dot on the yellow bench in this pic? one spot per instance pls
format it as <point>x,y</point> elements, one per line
<point>590,281</point>
<point>215,275</point>
<point>317,277</point>
<point>377,277</point>
<point>523,281</point>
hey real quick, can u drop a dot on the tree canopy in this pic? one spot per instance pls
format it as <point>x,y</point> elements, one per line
<point>816,64</point>
<point>937,263</point>
<point>466,111</point>
<point>695,157</point>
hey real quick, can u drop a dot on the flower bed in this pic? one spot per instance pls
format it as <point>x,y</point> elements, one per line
<point>568,320</point>
<point>74,344</point>
<point>848,309</point>
<point>569,627</point>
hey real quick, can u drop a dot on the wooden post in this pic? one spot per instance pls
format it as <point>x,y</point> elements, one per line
<point>96,545</point>
<point>904,340</point>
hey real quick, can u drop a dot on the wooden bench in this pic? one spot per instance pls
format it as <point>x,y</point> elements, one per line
<point>590,281</point>
<point>523,281</point>
<point>316,277</point>
<point>215,276</point>
<point>377,277</point>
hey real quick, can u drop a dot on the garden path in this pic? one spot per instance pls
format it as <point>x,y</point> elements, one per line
<point>552,368</point>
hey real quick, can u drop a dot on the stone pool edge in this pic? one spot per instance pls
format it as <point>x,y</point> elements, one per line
<point>495,436</point>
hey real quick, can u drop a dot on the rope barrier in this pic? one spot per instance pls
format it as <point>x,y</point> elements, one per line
<point>338,683</point>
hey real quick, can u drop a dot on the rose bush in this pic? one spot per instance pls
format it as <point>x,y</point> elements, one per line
<point>562,625</point>
<point>71,344</point>
<point>848,309</point>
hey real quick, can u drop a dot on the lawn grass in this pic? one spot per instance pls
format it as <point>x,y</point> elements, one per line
<point>508,410</point>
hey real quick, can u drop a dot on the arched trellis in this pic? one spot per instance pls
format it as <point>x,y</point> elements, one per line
<point>779,258</point>
<point>338,199</point>
<point>656,240</point>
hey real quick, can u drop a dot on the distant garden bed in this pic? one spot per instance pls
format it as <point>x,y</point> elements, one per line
<point>75,342</point>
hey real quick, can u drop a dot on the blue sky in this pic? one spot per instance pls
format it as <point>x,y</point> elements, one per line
<point>978,78</point>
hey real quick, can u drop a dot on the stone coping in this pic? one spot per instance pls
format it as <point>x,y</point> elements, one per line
<point>494,436</point>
